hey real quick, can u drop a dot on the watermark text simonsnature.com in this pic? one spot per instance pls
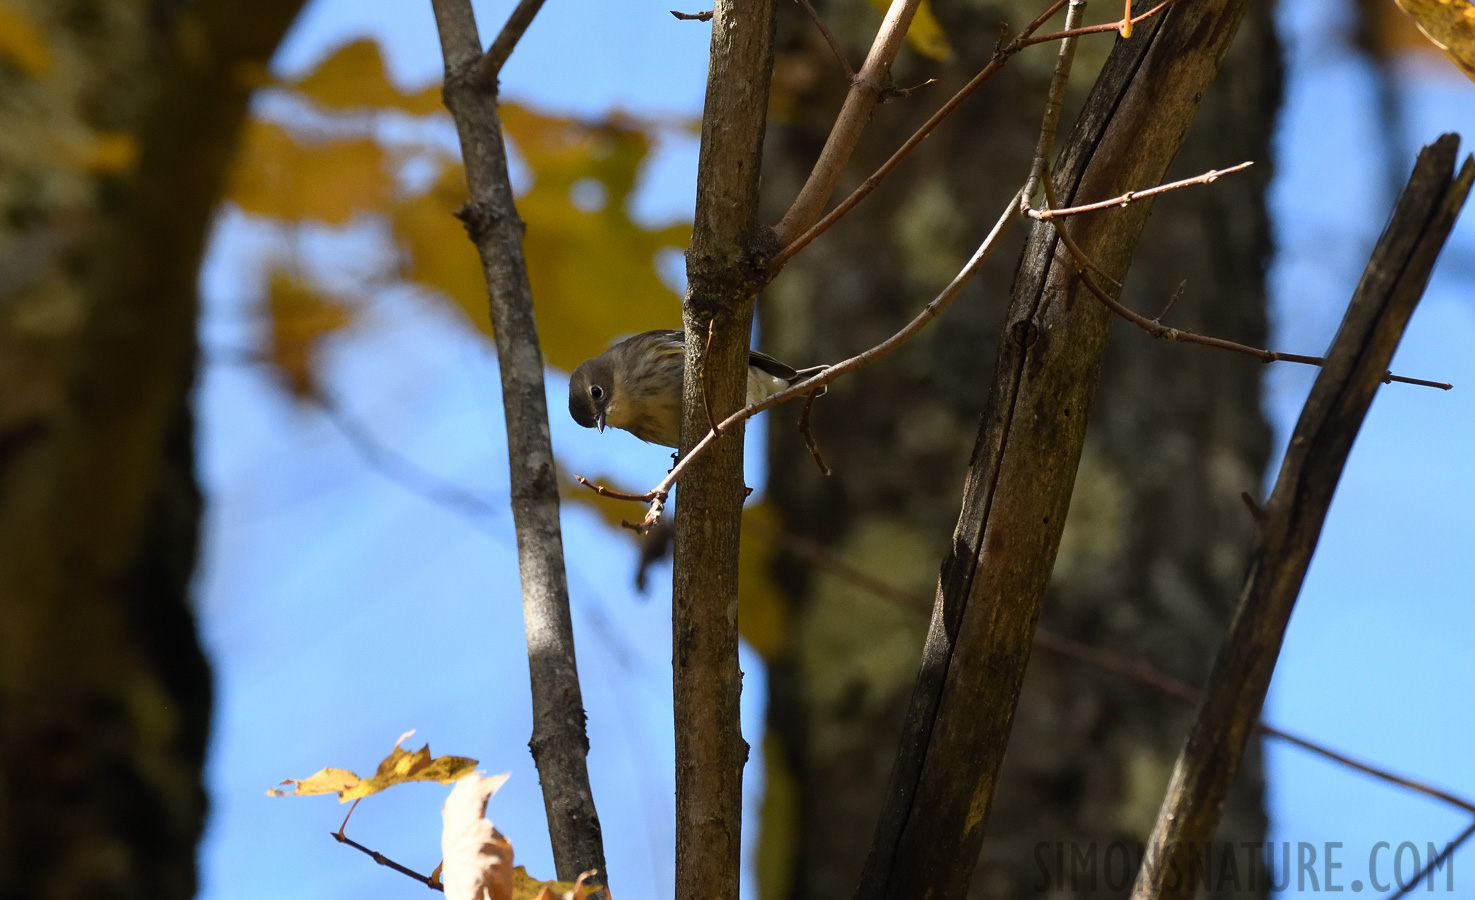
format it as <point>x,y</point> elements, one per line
<point>1252,867</point>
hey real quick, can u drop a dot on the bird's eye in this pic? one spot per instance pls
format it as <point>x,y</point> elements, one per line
<point>596,392</point>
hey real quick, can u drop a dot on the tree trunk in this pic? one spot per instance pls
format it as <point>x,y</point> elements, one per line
<point>119,130</point>
<point>1155,543</point>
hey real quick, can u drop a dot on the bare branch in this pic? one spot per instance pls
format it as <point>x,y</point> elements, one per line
<point>1156,328</point>
<point>829,36</point>
<point>1098,29</point>
<point>383,860</point>
<point>1287,534</point>
<point>559,743</point>
<point>1436,862</point>
<point>808,435</point>
<point>705,16</point>
<point>490,66</point>
<point>1054,102</point>
<point>1208,177</point>
<point>717,314</point>
<point>796,244</point>
<point>860,102</point>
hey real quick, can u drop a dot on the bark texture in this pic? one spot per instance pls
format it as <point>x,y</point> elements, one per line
<point>118,136</point>
<point>723,267</point>
<point>1155,540</point>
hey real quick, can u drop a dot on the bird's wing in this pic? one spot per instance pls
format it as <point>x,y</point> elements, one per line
<point>674,340</point>
<point>765,363</point>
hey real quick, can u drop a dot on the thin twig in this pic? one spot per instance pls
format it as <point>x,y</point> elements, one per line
<point>1155,327</point>
<point>860,102</point>
<point>829,38</point>
<point>1098,29</point>
<point>489,67</point>
<point>702,376</point>
<point>1208,177</point>
<point>705,16</point>
<point>383,860</point>
<point>1000,57</point>
<point>931,311</point>
<point>808,435</point>
<point>1436,862</point>
<point>1108,661</point>
<point>1054,103</point>
<point>402,470</point>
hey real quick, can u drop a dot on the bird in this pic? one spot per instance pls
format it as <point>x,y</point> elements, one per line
<point>635,385</point>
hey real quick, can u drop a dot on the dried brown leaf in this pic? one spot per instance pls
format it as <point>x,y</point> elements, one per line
<point>478,858</point>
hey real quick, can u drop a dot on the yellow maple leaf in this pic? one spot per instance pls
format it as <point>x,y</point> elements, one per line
<point>300,319</point>
<point>353,79</point>
<point>398,767</point>
<point>1449,25</point>
<point>278,176</point>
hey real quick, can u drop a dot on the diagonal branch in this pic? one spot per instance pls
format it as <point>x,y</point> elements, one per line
<point>489,67</point>
<point>1290,523</point>
<point>860,102</point>
<point>829,37</point>
<point>1208,177</point>
<point>1155,327</point>
<point>1054,102</point>
<point>794,243</point>
<point>559,743</point>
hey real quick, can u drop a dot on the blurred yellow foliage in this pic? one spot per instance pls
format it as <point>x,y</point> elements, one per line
<point>300,318</point>
<point>330,181</point>
<point>353,79</point>
<point>21,42</point>
<point>115,151</point>
<point>592,267</point>
<point>925,36</point>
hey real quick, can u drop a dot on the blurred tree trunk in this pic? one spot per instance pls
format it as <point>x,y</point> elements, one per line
<point>121,119</point>
<point>1154,547</point>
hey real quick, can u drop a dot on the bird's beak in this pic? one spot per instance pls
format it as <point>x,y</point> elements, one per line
<point>599,421</point>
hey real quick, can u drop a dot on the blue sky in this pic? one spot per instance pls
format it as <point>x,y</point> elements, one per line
<point>342,608</point>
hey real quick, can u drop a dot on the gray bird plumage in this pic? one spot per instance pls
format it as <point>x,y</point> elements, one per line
<point>635,385</point>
